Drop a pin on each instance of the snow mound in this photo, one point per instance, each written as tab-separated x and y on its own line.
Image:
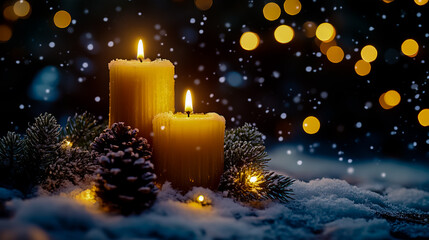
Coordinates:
412	198
323	208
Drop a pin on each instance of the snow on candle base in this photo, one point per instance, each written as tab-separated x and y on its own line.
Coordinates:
139	91
188	151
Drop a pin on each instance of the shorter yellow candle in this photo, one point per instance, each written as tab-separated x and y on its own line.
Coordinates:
188	150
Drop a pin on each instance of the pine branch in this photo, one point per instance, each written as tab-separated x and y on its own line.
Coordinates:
245	177
42	145
246	133
277	186
235	183
242	153
82	129
73	165
11	154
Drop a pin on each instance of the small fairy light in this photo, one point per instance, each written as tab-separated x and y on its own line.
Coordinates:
200	198
86	196
200	201
67	144
253	179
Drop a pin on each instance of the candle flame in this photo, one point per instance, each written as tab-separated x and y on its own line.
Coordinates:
140	51
188	102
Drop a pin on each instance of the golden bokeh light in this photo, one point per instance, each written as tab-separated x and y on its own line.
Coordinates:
249	41
410	48
335	54
203	5
62	19
5	33
421	2
383	103
325	32
284	34
362	68
309	29
271	11
21	8
9	14
388	1
324	46
368	53
292	7
311	125
392	98
423	117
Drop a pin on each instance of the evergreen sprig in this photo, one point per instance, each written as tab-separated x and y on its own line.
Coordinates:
82	129
42	145
11	154
73	166
245	177
43	157
246	133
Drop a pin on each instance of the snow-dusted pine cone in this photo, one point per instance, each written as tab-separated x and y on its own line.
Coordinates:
125	178
120	137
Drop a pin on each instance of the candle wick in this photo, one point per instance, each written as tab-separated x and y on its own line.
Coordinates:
140	59
188	112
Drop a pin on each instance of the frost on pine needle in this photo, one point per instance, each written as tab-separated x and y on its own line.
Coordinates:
245	177
82	129
43	157
73	166
42	145
11	155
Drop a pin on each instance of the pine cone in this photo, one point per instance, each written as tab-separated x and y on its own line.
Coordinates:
125	178
119	138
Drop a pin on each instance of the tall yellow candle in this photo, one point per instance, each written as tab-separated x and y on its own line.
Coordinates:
139	90
188	148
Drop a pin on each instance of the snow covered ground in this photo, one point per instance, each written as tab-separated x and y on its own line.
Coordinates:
324	208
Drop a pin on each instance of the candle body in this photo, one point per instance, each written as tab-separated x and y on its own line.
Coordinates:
188	151
139	91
